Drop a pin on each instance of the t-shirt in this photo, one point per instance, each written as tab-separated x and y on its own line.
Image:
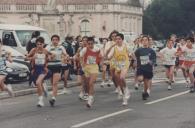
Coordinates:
169	56
57	51
146	58
189	54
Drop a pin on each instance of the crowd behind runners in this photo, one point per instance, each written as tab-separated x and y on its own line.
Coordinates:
84	57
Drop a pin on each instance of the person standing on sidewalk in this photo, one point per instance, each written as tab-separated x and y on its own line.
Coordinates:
55	64
39	59
91	58
4	56
146	59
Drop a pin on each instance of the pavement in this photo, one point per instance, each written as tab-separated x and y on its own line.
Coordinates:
164	109
22	88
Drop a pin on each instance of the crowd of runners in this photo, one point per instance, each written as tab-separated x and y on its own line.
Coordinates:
115	57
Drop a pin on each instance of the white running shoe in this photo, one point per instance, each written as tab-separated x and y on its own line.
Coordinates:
40	102
127	93
90	101
169	87
110	82
125	101
83	96
136	86
66	91
102	84
10	90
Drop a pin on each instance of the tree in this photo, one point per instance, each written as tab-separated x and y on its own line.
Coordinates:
165	17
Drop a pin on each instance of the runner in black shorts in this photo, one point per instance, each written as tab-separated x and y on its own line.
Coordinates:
54	64
146	59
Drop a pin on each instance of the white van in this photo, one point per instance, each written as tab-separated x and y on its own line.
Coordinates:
17	36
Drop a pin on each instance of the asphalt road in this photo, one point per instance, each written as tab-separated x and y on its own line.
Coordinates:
164	109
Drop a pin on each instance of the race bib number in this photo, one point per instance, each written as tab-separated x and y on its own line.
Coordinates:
169	59
40	59
121	64
91	60
144	60
58	55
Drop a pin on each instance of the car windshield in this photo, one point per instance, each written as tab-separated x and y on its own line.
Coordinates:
24	36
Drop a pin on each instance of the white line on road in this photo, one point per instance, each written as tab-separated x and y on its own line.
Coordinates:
100	118
167	98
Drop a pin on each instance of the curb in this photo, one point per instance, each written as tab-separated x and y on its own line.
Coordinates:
33	90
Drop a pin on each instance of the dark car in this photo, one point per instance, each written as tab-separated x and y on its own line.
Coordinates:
16	72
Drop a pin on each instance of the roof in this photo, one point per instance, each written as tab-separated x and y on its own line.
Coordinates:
64	2
19	27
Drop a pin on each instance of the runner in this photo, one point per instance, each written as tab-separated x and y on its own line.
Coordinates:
112	39
91	58
180	46
105	65
54	64
119	52
146	59
168	56
78	62
39	57
4	56
189	62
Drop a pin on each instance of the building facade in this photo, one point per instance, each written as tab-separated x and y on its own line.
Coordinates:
75	17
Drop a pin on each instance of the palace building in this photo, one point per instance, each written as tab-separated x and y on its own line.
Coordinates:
75	17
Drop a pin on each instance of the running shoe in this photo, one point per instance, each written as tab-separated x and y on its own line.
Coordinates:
145	95
102	84
52	101
40	102
90	102
125	101
136	86
10	90
110	82
192	89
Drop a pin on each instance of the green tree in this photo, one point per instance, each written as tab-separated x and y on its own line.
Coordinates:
165	17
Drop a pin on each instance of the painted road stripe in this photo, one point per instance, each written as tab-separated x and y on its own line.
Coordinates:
100	118
167	98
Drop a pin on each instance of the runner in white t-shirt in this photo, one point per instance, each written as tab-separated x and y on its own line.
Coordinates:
168	55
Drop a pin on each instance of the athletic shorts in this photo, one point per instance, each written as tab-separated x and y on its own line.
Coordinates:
38	70
55	68
65	67
91	69
144	73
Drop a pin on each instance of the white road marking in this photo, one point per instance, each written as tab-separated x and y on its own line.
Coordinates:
167	98
100	118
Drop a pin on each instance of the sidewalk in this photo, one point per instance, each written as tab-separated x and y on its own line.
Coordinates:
21	89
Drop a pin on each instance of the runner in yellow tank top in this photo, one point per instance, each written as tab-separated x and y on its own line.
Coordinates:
119	52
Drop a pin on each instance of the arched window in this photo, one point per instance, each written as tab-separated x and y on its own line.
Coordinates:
85	28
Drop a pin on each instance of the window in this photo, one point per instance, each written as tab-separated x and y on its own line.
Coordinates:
105	6
8	39
85	28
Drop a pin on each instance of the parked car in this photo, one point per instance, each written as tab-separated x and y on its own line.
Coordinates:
16	72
